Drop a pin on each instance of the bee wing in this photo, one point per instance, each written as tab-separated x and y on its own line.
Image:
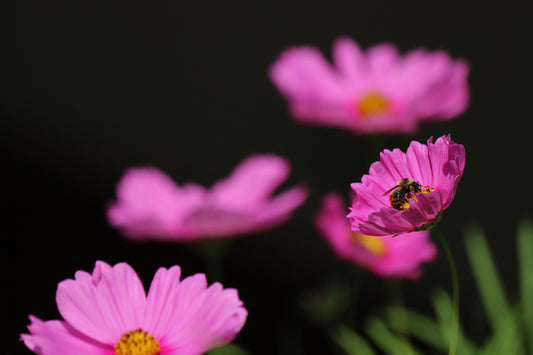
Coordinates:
389	190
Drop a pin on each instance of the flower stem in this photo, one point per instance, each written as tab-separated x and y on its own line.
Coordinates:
396	310
354	285
212	252
455	284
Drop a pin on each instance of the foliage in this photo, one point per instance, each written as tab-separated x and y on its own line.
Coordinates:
229	349
511	324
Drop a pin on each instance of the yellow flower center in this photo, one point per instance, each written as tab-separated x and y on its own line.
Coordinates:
373	104
375	245
137	342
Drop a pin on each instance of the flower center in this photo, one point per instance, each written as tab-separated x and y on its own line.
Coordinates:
374	245
137	342
373	104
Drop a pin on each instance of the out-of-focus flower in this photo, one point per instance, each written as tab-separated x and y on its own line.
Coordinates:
385	256
151	205
108	313
379	91
405	192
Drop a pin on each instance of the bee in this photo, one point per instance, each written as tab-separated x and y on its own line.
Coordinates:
405	190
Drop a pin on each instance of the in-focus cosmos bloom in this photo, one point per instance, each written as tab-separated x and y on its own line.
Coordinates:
108	313
429	175
385	256
379	91
151	205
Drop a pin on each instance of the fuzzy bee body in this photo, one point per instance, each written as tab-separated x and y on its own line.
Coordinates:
405	190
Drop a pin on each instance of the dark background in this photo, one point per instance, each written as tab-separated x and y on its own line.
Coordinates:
89	89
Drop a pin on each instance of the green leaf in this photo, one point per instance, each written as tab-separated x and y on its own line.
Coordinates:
230	349
443	308
389	342
425	329
525	253
508	338
325	306
351	342
486	275
511	325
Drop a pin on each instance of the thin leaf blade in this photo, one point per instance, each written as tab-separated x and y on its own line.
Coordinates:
525	254
488	281
351	342
389	342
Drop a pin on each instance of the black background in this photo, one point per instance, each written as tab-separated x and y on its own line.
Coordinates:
89	89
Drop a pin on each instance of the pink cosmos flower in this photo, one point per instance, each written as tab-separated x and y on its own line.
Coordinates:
379	91
433	172
151	205
385	256
108	313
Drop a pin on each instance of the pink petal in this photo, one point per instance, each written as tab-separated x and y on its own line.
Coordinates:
421	72
425	208
349	58
382	59
103	305
302	69
386	221
420	85
311	86
161	300
57	337
392	220
193	318
419	163
220	221
370	196
150	204
451	97
395	163
332	223
334	226
278	209
216	222
405	255
252	181
438	165
402	257
446	158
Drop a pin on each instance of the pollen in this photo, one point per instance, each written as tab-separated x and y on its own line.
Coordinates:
374	245
409	196
373	104
137	342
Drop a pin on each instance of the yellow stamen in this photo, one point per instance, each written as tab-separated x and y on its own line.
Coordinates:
424	190
137	342
404	205
373	104
375	245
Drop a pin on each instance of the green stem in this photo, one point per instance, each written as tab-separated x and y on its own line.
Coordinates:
354	286
212	252
396	310
455	283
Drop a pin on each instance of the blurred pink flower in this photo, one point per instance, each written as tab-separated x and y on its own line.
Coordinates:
108	313
379	91
151	205
385	256
435	167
